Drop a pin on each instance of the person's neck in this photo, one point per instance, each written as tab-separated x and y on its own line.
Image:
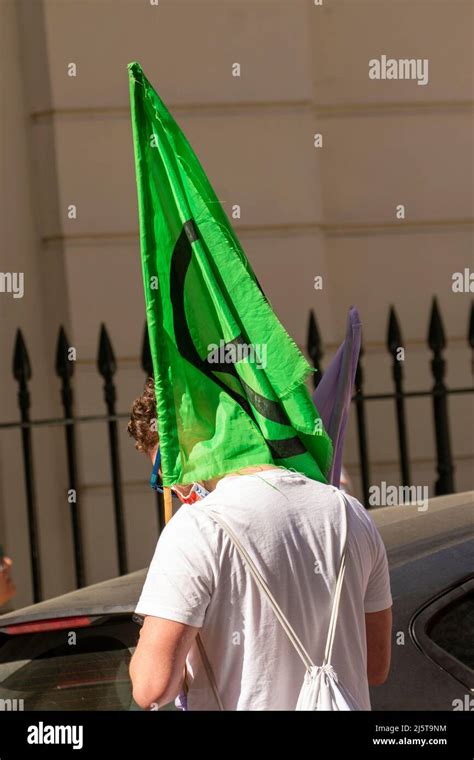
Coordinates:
211	484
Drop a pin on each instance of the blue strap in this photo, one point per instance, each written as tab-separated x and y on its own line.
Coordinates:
154	475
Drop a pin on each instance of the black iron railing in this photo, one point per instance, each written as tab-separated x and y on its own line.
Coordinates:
439	393
107	368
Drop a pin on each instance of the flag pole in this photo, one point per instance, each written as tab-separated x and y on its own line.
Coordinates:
168	502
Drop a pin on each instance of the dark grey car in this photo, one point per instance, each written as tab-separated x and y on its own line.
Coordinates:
431	556
73	652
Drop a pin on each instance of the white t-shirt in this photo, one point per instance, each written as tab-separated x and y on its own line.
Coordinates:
293	529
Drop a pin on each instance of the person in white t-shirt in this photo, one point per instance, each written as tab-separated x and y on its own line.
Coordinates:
292	527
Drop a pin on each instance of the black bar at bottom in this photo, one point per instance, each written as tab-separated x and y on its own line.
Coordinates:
119	734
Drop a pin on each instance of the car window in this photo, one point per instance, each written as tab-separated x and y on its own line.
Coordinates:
452	629
444	630
82	669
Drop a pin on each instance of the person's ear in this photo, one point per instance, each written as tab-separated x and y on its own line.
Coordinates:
152	453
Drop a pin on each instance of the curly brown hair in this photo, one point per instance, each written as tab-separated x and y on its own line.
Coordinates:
143	423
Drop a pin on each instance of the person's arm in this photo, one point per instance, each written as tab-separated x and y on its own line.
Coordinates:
156	668
7	587
378	626
378	609
174	599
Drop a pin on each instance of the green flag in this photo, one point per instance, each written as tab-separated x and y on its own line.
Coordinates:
229	380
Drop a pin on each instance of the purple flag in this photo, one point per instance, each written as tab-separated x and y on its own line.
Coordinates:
332	397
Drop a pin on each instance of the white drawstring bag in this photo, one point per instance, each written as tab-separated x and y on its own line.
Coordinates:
321	689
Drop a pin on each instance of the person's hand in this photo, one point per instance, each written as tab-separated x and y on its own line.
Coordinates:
7	587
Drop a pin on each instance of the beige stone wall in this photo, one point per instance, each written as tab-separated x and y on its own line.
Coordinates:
305	212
